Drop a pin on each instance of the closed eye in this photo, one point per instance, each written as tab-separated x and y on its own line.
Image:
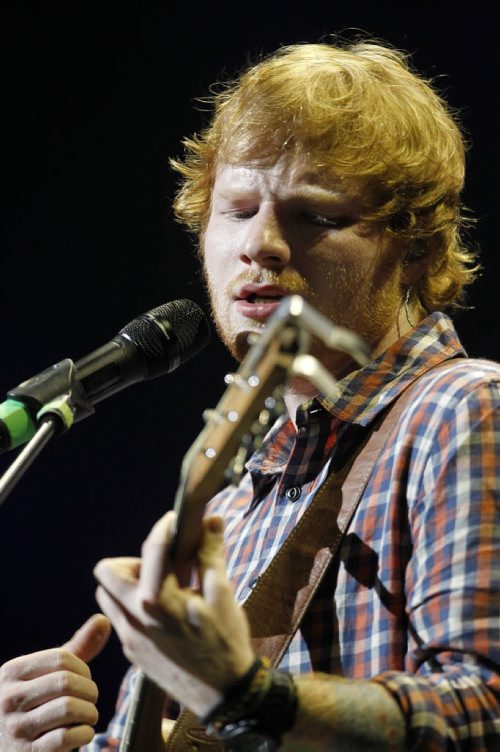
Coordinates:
239	213
323	220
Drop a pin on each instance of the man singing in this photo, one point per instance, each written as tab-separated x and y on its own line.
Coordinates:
332	172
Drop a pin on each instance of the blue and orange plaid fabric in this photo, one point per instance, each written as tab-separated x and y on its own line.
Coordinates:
413	601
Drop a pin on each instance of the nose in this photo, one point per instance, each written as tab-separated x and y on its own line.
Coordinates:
264	243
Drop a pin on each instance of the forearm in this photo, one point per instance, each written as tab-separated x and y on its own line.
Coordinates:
338	714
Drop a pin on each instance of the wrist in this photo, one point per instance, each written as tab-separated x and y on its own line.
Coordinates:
256	710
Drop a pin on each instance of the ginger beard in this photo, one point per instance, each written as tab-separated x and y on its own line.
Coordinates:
364	299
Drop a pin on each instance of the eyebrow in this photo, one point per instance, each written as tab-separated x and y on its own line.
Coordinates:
316	191
300	191
315	178
308	184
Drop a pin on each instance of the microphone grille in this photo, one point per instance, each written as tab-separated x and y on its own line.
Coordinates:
168	335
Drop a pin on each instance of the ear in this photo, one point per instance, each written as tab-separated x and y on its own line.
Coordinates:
419	257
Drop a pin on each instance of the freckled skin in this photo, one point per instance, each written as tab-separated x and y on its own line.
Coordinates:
280	226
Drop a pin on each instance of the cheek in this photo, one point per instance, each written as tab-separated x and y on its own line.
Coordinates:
212	280
344	274
330	272
218	252
350	255
217	278
212	267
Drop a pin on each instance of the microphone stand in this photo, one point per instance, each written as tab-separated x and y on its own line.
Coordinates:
15	472
54	418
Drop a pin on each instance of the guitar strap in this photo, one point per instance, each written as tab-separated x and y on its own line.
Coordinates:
283	593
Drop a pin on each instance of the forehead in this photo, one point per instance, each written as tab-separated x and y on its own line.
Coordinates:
288	175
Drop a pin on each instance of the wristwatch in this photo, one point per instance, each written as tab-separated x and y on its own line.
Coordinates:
247	736
257	712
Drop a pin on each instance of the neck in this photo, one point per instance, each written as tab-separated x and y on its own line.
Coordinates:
299	389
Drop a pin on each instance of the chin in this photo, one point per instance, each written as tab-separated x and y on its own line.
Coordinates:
235	335
238	345
236	342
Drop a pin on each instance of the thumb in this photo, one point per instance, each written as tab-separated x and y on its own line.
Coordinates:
90	639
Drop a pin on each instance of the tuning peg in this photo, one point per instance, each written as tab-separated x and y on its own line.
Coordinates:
212	416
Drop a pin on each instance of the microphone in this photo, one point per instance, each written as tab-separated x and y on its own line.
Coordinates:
153	344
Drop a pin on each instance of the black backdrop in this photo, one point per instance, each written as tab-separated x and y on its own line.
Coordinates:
95	99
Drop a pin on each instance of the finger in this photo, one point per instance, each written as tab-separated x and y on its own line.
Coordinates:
22	696
175	605
155	564
64	739
85	644
196	613
111	608
120	578
88	641
215	584
120	617
211	553
124	567
43	662
62	711
128	628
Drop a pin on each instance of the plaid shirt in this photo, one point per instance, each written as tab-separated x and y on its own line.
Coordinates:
413	601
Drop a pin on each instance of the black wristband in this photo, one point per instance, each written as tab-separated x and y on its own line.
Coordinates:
256	712
246	736
241	694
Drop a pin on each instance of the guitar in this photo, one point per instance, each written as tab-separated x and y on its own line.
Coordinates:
242	411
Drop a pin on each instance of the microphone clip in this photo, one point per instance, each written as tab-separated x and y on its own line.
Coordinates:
57	392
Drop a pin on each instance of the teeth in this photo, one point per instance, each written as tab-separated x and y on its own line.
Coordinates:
263	299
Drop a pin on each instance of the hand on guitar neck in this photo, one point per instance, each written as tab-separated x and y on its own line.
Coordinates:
193	644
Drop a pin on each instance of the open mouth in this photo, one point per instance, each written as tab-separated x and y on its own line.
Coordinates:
259	293
254	298
258	301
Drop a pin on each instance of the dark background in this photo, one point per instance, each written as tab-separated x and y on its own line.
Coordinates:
95	99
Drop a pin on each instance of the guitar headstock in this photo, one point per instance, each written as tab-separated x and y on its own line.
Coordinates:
274	407
244	409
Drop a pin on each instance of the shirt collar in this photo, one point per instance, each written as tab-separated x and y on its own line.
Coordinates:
364	393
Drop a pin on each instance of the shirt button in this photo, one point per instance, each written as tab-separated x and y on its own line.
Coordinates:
293	493
253	583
